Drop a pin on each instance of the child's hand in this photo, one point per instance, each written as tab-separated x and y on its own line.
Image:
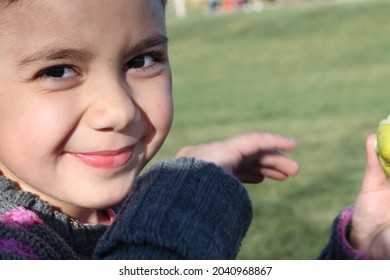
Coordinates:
250	157
371	219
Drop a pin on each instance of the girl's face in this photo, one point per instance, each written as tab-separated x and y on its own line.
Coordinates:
85	98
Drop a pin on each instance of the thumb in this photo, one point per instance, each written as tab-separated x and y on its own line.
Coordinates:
374	178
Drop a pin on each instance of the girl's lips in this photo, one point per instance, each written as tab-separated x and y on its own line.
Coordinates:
106	159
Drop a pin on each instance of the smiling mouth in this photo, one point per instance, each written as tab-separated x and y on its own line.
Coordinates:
106	159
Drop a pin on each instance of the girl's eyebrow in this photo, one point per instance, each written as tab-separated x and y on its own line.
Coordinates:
49	53
54	53
150	42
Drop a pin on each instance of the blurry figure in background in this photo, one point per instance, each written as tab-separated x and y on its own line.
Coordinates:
240	3
257	6
213	6
243	5
228	6
180	8
246	6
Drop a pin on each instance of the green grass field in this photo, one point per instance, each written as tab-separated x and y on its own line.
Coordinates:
318	73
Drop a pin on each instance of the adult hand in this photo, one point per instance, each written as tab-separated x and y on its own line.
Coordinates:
250	157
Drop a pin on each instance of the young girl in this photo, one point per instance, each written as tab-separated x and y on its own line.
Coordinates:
85	103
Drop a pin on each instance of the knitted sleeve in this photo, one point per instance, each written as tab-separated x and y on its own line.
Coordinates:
180	209
339	247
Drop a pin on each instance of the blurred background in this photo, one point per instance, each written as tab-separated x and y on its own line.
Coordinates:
318	71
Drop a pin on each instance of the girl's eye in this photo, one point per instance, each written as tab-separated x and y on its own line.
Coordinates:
141	61
57	72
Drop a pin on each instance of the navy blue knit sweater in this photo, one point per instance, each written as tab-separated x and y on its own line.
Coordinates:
178	209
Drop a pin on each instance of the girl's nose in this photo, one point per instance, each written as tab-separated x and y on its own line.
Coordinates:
112	108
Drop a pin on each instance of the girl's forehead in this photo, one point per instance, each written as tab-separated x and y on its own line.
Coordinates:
12	10
9	3
110	28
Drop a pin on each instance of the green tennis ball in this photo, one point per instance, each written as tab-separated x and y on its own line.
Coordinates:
383	144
